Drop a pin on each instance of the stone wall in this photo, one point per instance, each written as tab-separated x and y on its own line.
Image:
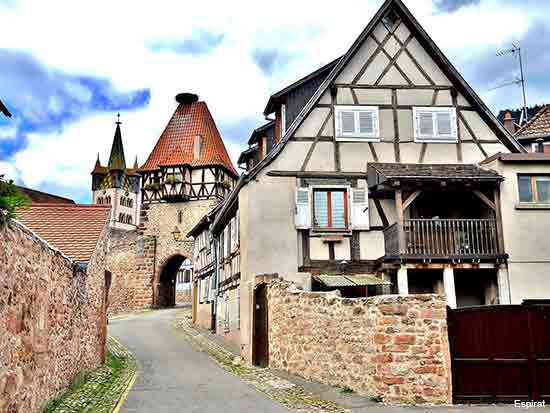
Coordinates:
51	319
395	347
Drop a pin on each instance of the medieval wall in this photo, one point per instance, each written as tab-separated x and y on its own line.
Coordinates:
395	347
51	319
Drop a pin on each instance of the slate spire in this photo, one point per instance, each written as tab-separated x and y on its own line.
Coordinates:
116	159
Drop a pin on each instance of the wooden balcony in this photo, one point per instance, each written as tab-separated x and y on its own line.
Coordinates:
442	238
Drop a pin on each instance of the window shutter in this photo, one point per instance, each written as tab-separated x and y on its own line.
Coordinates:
347	122
359	209
367	122
444	123
303	209
425	124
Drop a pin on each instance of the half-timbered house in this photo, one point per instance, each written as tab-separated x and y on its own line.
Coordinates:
374	182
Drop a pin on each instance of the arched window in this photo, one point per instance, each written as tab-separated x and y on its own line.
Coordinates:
130	203
109	200
129	219
180	217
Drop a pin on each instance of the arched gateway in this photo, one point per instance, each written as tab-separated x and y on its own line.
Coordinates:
166	285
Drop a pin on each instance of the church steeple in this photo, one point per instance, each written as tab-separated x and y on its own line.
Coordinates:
116	159
136	165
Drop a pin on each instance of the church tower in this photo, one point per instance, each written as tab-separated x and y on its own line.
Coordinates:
117	185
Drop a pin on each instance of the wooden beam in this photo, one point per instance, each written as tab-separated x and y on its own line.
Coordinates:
381	213
393	61
400	219
422	152
418	87
411	199
318	174
486	200
471	132
498	217
372	56
395	126
314	144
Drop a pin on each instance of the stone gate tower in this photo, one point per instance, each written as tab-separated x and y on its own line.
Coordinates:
117	185
187	173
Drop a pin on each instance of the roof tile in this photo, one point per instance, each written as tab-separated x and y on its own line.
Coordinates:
175	145
539	125
72	229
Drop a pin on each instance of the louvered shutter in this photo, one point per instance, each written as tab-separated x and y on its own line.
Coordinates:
367	122
359	208
425	124
303	209
347	122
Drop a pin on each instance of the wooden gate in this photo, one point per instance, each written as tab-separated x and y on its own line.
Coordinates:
260	343
501	353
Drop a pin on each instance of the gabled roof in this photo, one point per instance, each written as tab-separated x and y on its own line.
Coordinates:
4	110
175	145
274	98
246	154
73	229
38	197
537	127
448	69
117	159
256	133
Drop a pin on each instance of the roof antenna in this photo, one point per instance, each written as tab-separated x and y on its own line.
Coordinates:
515	50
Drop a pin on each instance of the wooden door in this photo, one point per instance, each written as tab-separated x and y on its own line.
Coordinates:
260	350
500	353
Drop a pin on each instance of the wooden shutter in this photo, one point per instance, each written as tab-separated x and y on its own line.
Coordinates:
367	122
359	208
303	208
347	122
425	124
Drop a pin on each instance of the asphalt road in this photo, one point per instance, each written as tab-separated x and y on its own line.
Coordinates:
174	377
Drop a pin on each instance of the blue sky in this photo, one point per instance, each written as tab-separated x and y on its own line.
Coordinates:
65	79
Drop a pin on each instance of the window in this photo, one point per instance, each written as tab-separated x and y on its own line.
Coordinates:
357	123
533	188
180	217
283	122
330	208
435	124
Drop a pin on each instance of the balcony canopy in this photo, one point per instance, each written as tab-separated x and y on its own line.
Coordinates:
386	175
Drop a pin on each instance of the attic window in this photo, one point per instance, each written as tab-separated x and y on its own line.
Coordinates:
390	20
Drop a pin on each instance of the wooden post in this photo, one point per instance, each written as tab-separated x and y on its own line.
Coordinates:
400	219
498	218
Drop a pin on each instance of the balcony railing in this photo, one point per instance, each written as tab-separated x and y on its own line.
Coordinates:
442	238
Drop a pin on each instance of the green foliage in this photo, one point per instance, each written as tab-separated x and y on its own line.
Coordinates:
376	399
346	389
11	198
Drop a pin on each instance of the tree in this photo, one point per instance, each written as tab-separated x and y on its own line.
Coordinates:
11	198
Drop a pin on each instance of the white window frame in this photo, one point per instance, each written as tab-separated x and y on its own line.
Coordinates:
453	138
356	136
534	146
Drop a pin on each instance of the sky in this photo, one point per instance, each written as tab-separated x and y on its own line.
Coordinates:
67	67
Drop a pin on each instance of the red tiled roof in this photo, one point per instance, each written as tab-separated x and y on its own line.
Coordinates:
539	125
175	145
72	229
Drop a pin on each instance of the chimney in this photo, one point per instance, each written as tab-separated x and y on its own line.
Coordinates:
509	122
186	98
197	147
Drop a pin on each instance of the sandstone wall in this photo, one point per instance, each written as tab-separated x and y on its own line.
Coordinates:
51	319
391	346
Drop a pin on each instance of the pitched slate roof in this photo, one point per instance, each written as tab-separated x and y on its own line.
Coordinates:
175	145
256	133
537	127
116	159
4	110
438	172
72	229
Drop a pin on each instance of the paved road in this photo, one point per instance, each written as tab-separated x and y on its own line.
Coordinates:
174	377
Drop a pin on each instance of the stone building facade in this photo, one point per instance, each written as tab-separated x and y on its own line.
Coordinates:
52	317
393	347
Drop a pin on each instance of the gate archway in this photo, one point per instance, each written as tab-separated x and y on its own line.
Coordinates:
166	291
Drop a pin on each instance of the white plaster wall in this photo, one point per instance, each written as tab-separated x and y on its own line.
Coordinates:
371	244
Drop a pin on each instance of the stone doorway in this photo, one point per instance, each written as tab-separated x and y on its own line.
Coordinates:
166	290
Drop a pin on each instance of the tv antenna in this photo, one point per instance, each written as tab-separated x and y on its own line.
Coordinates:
515	50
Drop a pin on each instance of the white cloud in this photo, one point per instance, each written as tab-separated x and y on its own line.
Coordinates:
110	39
